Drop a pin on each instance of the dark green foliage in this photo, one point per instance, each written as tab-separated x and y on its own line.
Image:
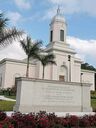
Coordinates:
46	59
8	91
31	49
7	35
86	66
2	115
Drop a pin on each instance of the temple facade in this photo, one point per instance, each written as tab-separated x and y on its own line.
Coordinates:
67	68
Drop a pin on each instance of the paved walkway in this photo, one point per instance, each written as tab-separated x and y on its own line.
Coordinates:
4	98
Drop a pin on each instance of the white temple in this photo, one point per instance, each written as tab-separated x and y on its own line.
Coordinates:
68	67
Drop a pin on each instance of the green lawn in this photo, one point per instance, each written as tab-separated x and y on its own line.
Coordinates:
93	99
6	105
93	103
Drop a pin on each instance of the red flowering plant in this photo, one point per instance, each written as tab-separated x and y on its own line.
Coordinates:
30	120
92	120
17	120
84	121
52	118
23	120
64	122
2	115
6	123
45	120
42	120
73	120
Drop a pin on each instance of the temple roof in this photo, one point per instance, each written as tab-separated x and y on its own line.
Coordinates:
58	17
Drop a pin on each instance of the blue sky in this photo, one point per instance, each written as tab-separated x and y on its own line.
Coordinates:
34	16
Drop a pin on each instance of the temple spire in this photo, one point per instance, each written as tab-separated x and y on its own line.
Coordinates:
58	10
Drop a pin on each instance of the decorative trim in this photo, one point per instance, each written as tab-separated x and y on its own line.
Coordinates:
53	81
13	60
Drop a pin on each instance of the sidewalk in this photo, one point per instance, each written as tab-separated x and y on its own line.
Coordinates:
4	98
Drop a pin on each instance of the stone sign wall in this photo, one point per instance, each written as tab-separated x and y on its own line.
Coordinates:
53	96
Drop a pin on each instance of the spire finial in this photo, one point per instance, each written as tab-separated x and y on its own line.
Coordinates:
58	10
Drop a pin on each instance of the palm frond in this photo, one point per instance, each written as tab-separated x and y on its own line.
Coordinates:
28	42
47	59
31	49
9	35
35	49
51	62
24	46
3	22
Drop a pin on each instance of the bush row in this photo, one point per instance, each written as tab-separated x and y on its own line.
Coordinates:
8	91
44	120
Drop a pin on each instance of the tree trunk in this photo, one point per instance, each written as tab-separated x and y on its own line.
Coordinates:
27	71
43	72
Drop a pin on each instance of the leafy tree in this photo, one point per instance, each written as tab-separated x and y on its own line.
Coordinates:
31	49
45	60
86	66
7	35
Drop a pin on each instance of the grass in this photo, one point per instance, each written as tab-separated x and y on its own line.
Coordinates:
93	103
6	105
93	99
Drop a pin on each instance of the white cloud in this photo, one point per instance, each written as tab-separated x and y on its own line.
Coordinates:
14	17
23	4
86	49
13	51
74	6
49	13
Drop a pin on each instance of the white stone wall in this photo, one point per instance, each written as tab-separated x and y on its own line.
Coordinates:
2	74
34	95
39	71
56	27
15	69
89	77
76	72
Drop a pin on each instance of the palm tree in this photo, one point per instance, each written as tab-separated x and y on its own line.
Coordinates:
45	60
7	35
31	49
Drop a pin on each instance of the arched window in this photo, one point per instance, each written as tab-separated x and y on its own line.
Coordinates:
61	35
51	36
63	73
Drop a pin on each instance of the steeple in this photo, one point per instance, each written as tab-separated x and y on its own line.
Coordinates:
58	28
58	17
58	10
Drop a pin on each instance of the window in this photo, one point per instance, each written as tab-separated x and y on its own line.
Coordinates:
61	35
51	36
61	78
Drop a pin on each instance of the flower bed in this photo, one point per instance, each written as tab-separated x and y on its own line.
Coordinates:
44	120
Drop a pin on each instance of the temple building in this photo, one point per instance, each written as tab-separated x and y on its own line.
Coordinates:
67	68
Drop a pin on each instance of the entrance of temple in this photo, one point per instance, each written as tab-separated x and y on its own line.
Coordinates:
61	78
